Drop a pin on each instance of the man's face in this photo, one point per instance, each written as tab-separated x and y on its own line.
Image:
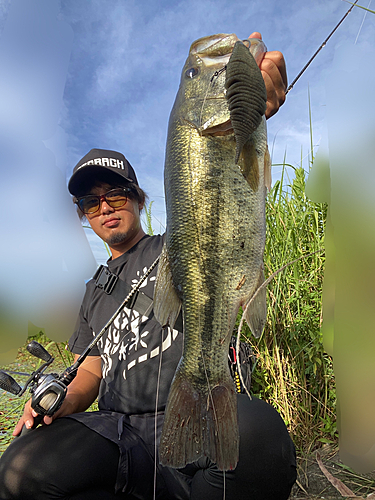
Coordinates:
120	227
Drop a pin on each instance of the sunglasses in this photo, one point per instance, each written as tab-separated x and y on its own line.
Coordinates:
115	198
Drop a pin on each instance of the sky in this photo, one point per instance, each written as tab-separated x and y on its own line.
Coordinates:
127	58
104	74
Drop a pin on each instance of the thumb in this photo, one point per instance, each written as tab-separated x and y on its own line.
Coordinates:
256	34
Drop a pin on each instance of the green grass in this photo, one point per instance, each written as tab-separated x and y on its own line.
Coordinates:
11	407
292	371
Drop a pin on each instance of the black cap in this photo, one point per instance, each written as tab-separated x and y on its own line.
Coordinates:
99	161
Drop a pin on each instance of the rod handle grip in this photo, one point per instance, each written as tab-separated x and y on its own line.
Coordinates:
37	421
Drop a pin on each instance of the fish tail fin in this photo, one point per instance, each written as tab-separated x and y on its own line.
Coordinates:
200	423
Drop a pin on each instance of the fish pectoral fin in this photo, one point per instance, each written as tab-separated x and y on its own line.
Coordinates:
199	422
167	304
255	310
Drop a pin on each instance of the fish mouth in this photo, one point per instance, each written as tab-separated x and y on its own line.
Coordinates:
221	129
225	128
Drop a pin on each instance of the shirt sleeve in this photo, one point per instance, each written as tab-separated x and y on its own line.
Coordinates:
83	334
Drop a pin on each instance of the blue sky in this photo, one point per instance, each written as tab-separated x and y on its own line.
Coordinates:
127	56
80	74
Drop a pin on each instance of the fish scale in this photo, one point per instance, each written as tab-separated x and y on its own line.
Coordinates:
212	261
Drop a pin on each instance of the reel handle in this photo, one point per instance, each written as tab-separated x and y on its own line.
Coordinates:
7	383
38	351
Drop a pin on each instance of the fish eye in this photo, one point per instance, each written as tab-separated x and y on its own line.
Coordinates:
191	72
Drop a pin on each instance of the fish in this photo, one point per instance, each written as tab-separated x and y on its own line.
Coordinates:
217	167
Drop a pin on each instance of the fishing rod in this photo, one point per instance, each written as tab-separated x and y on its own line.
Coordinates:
48	391
319	49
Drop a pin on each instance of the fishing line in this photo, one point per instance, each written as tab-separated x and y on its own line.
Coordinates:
214	411
203	103
156	411
363	20
209	389
218	72
319	49
209	86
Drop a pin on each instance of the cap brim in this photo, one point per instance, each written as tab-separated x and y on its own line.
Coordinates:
81	176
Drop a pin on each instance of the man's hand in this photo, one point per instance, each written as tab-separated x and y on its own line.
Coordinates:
27	419
274	75
29	414
82	392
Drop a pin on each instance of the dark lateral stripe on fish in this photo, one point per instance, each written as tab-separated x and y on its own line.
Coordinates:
246	95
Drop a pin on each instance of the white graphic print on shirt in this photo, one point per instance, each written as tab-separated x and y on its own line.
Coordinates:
125	337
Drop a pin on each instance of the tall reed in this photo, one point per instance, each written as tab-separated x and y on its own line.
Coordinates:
292	371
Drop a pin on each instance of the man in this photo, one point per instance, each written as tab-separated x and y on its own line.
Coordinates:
113	453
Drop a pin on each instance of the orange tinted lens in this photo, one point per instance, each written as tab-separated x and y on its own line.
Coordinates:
116	198
89	204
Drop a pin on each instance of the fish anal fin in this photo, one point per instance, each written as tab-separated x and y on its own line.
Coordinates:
167	304
255	309
248	163
200	423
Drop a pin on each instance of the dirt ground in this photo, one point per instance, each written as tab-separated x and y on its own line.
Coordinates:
312	483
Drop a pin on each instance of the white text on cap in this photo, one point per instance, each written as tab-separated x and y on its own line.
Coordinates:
104	162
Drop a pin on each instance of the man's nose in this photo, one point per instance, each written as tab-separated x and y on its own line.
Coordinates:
105	208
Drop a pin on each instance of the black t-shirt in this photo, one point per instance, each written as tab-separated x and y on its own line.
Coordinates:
139	359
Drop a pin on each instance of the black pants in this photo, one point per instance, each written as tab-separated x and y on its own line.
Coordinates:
67	460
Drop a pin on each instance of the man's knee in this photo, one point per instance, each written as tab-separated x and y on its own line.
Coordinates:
267	453
16	470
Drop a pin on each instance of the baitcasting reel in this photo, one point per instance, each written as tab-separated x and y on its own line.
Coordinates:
48	390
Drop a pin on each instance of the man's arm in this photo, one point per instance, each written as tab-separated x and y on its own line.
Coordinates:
80	395
274	75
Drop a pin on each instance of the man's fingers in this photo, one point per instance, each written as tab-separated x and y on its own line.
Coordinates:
256	34
48	420
272	99
273	70
18	427
274	76
275	65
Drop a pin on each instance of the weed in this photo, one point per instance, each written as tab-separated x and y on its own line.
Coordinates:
292	372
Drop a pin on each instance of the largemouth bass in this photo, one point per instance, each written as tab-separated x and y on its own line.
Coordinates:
217	165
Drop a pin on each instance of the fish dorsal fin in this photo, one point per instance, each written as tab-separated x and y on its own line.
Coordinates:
248	163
